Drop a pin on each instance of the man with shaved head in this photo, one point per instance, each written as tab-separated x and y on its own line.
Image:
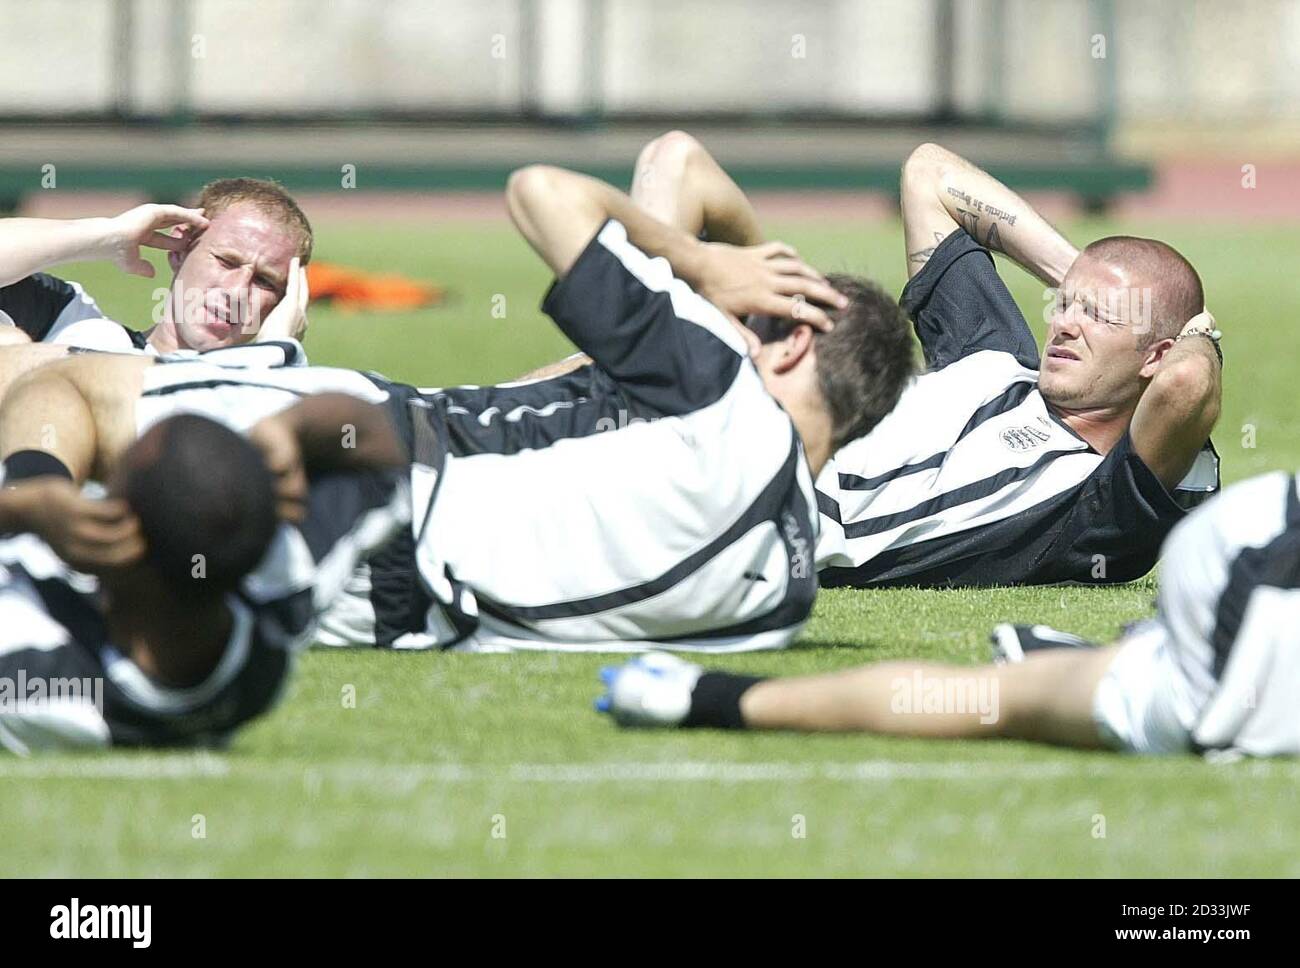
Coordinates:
1004	465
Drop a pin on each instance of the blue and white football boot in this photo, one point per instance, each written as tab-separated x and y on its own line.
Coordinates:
652	690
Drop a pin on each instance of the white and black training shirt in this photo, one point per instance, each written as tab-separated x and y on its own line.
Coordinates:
693	530
972	479
52	310
1229	604
238	386
63	684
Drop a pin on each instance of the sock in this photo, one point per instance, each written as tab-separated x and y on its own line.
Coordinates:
26	464
715	701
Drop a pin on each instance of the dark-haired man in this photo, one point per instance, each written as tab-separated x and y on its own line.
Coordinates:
203	595
238	261
693	530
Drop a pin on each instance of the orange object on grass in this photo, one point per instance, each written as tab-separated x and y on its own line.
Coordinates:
353	289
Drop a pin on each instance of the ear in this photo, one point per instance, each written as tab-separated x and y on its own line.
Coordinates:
1155	353
176	258
793	349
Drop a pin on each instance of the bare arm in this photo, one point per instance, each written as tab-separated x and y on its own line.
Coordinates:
942	192
1180	406
329	431
90	534
1047	698
340	432
29	245
559	212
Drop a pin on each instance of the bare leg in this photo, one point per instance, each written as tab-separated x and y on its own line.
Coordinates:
22	356
679	183
1047	698
44	411
80	409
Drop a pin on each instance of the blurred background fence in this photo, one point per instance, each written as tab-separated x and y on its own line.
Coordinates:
450	93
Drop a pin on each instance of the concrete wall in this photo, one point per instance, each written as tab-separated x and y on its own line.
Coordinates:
1173	59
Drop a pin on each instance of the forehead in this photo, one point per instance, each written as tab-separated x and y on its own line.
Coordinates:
1089	272
247	230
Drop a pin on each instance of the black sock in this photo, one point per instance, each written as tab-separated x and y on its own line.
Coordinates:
715	701
25	464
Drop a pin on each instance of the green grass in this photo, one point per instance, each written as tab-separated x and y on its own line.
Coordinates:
440	748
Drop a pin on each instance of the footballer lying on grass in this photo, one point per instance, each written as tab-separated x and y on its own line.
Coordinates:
695	530
234	258
1218	668
1001	466
202	597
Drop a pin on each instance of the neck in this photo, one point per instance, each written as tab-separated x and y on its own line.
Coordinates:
164	337
813	425
147	627
1101	427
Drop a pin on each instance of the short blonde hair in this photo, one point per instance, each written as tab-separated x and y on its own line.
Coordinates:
268	197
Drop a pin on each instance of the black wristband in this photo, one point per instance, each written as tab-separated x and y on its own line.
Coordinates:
23	465
715	701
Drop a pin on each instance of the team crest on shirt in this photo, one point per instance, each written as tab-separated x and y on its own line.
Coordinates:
1024	438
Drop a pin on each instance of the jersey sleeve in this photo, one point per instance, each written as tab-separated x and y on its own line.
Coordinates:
1119	520
43	306
349	516
668	348
960	305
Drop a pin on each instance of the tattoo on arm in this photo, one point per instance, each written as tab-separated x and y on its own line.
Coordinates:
969	217
970	221
922	256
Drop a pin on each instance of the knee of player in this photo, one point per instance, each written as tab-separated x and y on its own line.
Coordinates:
672	150
29	381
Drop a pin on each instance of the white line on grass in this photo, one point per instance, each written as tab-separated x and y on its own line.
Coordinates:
179	766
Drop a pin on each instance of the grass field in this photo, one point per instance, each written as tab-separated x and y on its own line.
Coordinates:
444	754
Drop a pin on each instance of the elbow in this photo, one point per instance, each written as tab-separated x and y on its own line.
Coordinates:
1191	386
924	167
526	185
524	181
1191	379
